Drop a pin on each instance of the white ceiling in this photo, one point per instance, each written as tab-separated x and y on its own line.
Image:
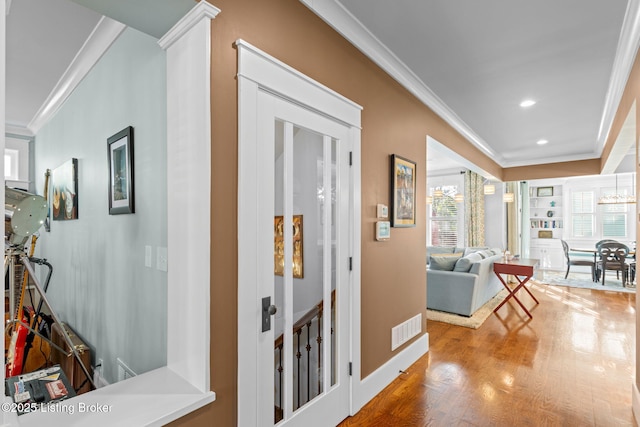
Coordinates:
477	59
43	37
482	58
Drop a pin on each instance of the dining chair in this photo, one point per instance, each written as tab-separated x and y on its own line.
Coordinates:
573	261
613	256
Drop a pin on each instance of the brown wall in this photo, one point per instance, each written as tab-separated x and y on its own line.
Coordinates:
393	121
631	95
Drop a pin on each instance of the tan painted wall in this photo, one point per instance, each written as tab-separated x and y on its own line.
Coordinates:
631	95
552	170
393	121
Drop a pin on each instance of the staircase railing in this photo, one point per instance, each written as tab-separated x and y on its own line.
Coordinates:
307	347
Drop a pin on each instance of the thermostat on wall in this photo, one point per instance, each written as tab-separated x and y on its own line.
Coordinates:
383	230
383	211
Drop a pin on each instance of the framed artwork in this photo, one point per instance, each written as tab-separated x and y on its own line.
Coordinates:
64	180
121	194
403	192
544	192
278	246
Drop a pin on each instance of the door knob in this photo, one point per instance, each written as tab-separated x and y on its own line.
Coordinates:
272	310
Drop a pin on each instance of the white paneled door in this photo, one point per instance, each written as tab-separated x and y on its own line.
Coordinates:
296	228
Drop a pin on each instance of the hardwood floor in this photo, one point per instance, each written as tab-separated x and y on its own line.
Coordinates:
571	365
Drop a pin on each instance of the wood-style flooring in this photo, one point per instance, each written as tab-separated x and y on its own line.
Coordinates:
571	365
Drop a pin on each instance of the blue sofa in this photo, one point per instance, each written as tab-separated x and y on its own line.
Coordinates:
461	280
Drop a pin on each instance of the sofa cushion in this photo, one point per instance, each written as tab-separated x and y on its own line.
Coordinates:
444	262
471	250
463	265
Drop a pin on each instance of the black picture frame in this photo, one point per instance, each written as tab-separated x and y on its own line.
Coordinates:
121	176
403	192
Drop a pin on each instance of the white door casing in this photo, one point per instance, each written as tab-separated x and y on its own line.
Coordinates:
266	84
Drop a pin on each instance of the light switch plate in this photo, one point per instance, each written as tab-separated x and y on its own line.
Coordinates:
148	257
382	211
161	259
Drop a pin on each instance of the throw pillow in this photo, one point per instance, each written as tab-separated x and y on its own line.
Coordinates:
443	262
463	265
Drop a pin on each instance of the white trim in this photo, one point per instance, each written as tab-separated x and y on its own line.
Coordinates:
101	38
338	17
189	199
628	44
635	401
18	130
373	384
259	66
152	399
203	11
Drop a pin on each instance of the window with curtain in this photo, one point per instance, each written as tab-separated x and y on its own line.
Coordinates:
444	216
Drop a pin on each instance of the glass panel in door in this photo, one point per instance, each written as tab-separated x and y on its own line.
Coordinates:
304	266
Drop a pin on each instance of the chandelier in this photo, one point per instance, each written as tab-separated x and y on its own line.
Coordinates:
617	198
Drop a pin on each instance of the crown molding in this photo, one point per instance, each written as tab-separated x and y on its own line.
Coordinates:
101	38
14	129
343	21
200	11
626	51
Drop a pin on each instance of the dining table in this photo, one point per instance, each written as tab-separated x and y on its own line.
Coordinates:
594	251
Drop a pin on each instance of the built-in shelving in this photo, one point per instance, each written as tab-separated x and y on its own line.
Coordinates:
547	226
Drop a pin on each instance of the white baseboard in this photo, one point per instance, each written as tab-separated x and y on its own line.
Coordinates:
635	401
373	384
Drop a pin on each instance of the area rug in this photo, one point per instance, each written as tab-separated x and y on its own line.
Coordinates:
473	322
583	281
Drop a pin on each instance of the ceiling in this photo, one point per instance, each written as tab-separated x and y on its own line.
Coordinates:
472	62
44	36
480	59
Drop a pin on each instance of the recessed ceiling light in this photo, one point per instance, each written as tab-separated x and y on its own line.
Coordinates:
527	103
542	141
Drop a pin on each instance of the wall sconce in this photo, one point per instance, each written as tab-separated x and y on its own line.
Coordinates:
438	192
508	197
489	189
459	198
429	200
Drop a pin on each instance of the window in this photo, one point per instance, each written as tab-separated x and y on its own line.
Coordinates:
11	158
582	213
600	221
614	217
445	216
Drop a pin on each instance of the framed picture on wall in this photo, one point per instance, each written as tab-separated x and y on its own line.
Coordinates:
403	192
120	151
278	244
64	180
545	191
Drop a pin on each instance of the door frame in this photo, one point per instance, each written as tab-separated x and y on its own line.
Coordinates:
259	71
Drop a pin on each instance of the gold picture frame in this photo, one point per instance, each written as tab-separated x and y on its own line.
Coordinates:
298	246
544	192
403	192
